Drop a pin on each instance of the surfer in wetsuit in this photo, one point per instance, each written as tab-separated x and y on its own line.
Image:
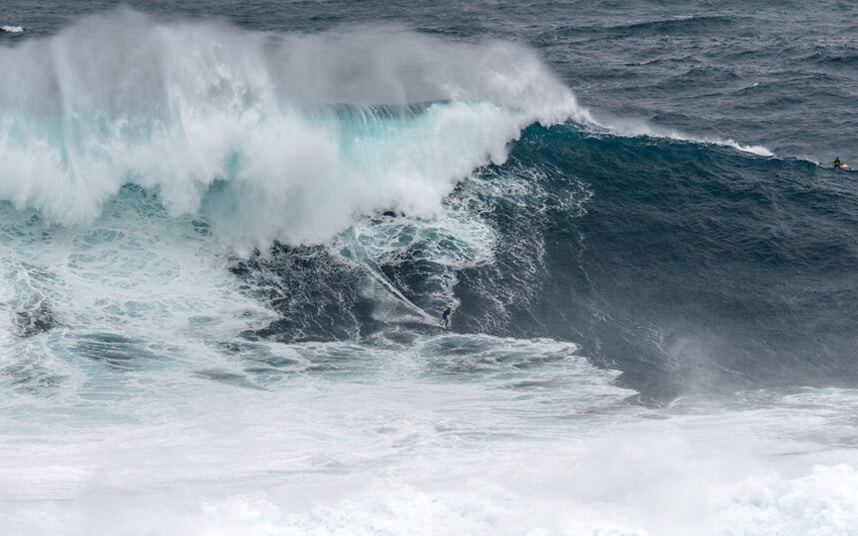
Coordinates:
445	317
837	163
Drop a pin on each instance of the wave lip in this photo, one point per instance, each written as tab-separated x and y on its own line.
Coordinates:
12	29
635	128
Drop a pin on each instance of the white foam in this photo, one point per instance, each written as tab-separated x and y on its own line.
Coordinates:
824	501
158	291
634	128
440	434
12	29
253	123
395	455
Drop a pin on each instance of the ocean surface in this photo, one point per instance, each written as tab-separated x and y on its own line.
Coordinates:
228	228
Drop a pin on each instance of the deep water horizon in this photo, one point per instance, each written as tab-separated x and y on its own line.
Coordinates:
228	230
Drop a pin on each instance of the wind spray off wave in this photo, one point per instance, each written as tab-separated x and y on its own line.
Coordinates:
274	136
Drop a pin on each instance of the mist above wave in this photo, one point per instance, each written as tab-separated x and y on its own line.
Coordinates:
275	136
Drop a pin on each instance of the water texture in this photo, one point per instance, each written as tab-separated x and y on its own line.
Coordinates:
227	230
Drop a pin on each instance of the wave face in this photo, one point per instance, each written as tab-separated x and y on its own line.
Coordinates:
687	266
223	252
717	269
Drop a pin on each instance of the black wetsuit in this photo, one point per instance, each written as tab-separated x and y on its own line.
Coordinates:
445	317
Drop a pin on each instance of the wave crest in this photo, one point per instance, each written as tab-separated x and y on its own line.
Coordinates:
277	136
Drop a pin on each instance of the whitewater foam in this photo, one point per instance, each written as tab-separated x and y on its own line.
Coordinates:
273	136
117	293
12	29
175	422
439	455
635	128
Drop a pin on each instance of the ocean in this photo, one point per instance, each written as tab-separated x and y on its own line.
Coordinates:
228	230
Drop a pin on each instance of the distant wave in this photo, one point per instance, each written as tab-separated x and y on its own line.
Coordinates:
674	25
686	23
12	29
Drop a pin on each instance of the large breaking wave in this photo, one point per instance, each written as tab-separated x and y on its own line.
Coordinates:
147	369
287	137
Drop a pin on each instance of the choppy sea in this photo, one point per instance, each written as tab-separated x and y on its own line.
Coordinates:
227	230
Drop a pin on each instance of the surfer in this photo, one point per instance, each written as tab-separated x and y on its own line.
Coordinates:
445	317
840	165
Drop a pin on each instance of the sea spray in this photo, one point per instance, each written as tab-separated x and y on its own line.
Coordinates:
275	136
